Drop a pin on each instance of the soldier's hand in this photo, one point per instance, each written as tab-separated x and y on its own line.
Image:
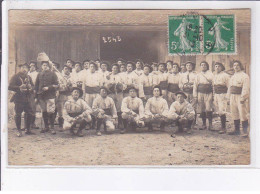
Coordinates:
45	88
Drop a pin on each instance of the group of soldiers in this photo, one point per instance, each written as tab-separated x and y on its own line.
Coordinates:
127	95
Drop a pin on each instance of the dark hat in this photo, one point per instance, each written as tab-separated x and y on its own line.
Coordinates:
77	88
182	93
193	64
147	65
205	63
157	86
24	64
220	64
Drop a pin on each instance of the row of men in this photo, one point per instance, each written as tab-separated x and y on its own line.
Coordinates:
200	88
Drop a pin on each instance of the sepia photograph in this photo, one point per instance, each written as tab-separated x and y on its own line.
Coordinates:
111	87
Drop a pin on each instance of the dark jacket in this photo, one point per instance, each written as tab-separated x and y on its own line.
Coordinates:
14	85
46	79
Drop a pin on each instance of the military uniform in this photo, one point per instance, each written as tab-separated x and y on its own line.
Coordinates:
161	80
130	79
239	91
76	112
186	84
105	112
22	85
132	112
146	86
173	80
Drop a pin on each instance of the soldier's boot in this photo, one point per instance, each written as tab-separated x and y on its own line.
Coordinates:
204	119
245	127
190	122
94	122
81	127
124	126
133	126
162	126
105	126
237	128
60	121
180	128
28	124
210	117
150	127
119	115
46	122
52	120
33	125
99	123
18	121
223	124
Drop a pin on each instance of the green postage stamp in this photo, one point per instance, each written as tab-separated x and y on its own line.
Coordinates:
202	34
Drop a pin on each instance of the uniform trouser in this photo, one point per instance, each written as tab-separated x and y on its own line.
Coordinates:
89	98
108	121
19	108
220	103
171	98
238	110
205	102
68	125
60	101
133	119
48	111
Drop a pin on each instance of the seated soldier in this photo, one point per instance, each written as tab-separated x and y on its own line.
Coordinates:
156	109
76	111
182	111
132	110
105	111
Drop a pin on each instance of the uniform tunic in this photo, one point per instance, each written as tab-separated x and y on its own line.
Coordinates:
33	75
91	87
156	106
173	86
220	86
202	90
146	86
130	105
239	91
130	79
181	109
161	79
75	79
186	84
103	77
115	80
75	108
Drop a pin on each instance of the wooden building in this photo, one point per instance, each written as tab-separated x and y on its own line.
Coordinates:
108	35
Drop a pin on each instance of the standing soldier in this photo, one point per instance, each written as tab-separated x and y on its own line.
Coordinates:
202	93
104	72
45	86
130	78
120	61
173	83
156	109
115	87
161	79
239	95
105	110
182	111
76	111
169	64
98	63
63	93
33	74
220	85
21	83
183	68
154	67
75	78
69	63
146	84
139	68
132	111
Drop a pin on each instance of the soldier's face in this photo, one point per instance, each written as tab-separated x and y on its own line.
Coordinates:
69	63
122	68
155	68
183	68
66	70
86	65
175	69
161	68
146	70
103	67
77	67
119	62
156	92
204	66
114	69
180	98
24	69
189	66
92	68
132	93
98	63
218	68
236	67
32	67
75	94
103	93
129	67
45	66
169	66
138	65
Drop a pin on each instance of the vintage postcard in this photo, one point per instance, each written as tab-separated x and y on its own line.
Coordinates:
129	87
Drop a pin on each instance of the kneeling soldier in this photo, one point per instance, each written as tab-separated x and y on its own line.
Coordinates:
105	111
156	109
76	111
132	110
182	111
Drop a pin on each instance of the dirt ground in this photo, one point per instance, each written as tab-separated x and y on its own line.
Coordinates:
133	148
